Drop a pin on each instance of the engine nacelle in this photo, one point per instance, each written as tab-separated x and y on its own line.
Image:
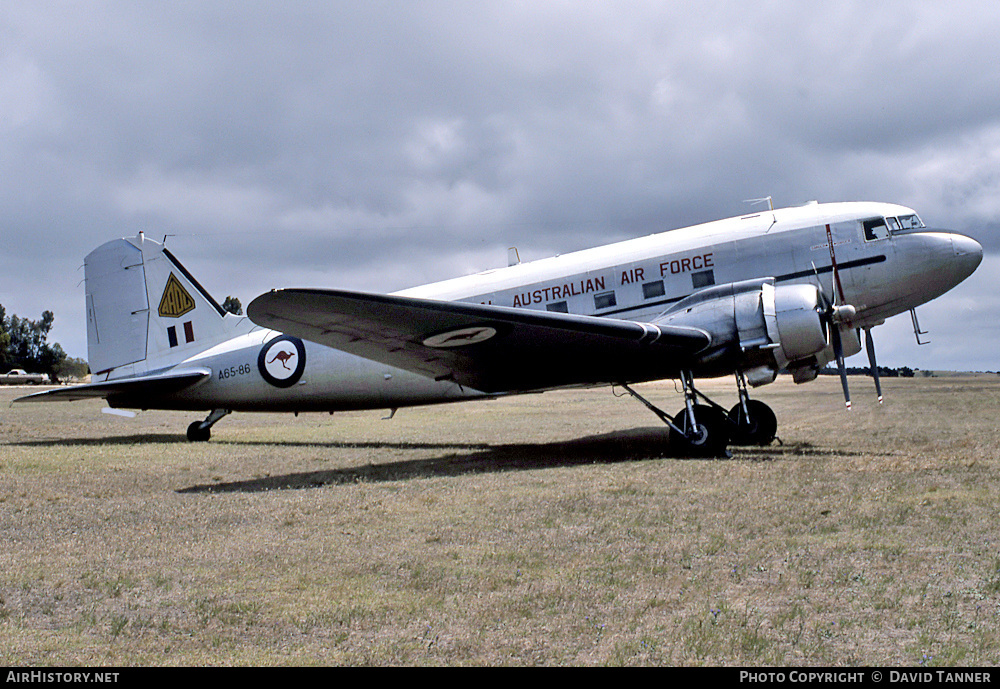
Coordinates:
797	323
757	326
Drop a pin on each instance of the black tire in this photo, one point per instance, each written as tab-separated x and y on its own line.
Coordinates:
757	429
197	434
710	437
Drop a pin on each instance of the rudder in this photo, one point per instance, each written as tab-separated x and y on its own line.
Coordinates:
117	307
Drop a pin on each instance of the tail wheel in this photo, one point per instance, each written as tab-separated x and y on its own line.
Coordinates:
707	438
756	426
197	434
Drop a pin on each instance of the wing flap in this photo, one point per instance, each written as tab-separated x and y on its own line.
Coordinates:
486	347
134	388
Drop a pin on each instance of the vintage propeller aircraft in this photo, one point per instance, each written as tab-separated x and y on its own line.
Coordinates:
779	290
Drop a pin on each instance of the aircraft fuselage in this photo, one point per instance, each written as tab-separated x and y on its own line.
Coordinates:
886	261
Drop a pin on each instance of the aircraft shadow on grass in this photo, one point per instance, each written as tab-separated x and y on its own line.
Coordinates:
457	459
142	439
640	444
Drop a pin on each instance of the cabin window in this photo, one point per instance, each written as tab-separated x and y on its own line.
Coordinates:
653	289
875	229
703	278
605	300
559	306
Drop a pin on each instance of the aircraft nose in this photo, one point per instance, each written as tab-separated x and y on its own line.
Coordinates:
969	253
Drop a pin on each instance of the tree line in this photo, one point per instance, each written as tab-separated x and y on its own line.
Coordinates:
883	371
24	344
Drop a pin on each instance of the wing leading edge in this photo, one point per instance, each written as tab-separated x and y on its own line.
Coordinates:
485	347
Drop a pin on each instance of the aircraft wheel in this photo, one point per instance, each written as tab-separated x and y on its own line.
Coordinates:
758	428
197	434
710	436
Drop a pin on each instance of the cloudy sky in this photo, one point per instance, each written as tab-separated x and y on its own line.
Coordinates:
379	145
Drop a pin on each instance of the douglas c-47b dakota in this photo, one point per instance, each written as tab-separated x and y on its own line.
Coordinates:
781	290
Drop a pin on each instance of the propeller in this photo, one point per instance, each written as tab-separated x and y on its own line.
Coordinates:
843	313
836	314
870	346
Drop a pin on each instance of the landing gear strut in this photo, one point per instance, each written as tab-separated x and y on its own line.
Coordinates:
697	430
201	431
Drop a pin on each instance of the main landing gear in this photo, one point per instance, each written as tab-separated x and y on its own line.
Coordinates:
706	430
751	421
201	431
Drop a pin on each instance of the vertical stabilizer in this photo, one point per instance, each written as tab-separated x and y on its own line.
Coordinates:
117	307
145	311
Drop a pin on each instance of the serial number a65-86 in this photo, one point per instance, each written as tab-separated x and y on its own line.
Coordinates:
234	371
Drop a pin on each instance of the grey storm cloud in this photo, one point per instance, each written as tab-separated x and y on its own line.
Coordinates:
379	145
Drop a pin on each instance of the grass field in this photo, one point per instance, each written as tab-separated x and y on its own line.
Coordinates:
550	529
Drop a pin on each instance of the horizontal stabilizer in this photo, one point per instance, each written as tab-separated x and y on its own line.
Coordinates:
482	346
134	388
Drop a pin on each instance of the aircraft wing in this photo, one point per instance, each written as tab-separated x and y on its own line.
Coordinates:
134	388
481	346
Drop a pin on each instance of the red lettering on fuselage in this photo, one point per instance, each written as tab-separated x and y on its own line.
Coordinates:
687	264
633	275
562	291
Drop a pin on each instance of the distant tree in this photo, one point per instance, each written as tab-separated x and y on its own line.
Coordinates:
25	344
4	342
233	306
73	367
885	372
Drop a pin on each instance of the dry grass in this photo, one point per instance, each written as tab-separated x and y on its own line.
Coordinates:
547	529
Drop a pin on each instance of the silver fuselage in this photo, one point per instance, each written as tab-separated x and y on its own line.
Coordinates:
881	276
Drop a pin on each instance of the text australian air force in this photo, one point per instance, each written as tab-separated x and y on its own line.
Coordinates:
565	289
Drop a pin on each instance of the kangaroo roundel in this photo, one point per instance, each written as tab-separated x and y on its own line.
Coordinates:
282	361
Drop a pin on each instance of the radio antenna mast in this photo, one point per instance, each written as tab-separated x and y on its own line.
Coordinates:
770	207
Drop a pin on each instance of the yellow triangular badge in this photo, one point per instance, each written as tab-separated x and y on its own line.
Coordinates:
175	301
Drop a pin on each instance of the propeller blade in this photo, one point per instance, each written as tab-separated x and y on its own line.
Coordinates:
837	286
835	313
870	346
838	351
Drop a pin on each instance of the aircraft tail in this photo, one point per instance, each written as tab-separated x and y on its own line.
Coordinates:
145	311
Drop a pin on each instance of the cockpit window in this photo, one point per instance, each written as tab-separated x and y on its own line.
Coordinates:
910	222
875	229
893	225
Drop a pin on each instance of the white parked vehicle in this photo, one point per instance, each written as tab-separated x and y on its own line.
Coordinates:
19	376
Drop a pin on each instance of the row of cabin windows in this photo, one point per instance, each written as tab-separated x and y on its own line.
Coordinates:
650	290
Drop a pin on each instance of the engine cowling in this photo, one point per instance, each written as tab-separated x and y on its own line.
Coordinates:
798	324
757	326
